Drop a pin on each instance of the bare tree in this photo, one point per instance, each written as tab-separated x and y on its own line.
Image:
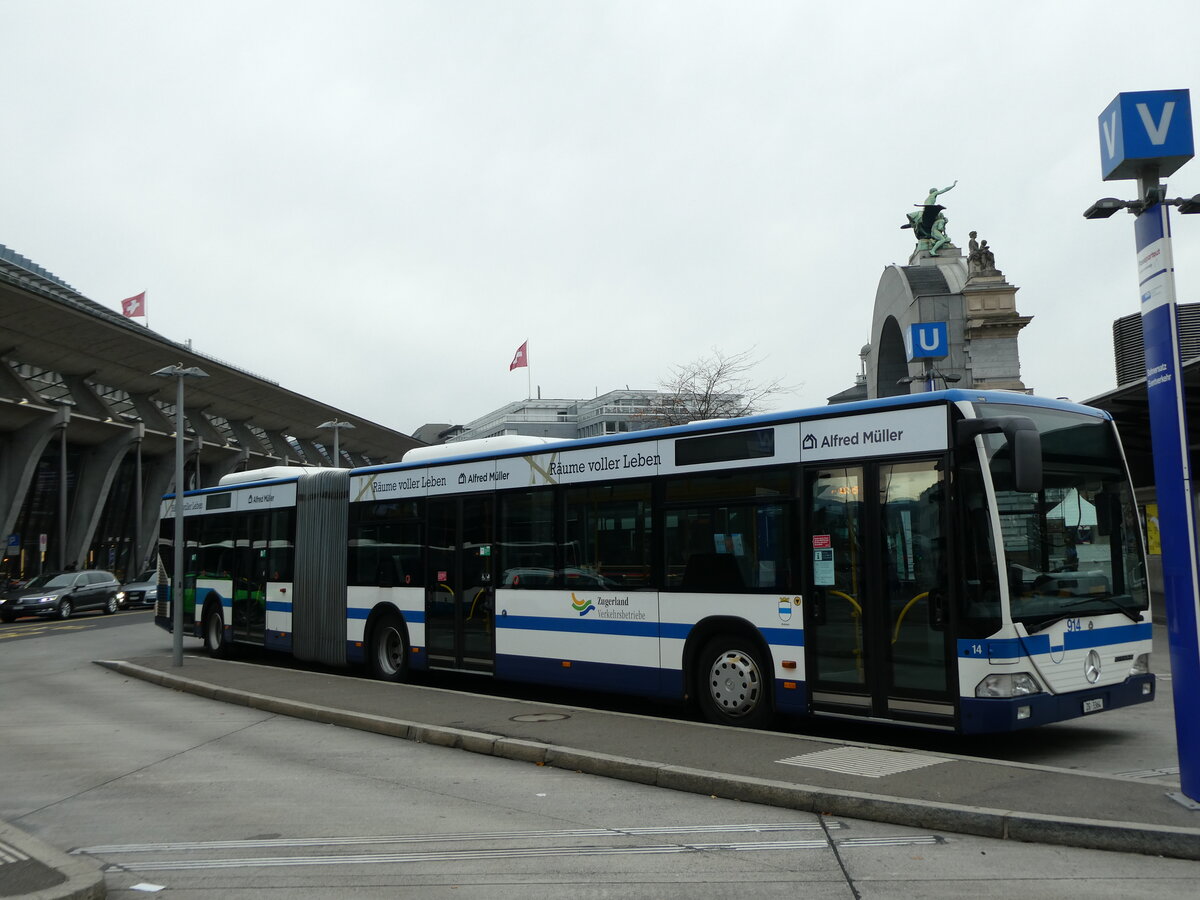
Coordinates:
715	386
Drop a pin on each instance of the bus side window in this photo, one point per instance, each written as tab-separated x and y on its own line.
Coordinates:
712	572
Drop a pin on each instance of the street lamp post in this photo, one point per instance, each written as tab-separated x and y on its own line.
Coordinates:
179	372
337	427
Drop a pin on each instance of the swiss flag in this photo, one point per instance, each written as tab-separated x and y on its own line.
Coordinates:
135	306
522	357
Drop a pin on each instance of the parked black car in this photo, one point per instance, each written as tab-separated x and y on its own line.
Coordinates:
62	594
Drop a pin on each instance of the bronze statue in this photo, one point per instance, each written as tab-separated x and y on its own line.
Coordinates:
927	222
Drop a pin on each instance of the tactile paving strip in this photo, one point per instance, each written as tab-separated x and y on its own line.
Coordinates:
864	761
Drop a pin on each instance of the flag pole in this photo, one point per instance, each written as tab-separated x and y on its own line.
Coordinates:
528	374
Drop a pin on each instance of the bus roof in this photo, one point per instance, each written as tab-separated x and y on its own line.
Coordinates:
510	445
468	451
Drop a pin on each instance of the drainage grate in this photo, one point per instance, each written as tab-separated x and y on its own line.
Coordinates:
1149	773
863	761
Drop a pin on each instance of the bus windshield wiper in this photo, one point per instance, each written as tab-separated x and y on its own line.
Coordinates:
1133	613
1034	624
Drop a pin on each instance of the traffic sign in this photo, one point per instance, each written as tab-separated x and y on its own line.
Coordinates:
928	340
1145	128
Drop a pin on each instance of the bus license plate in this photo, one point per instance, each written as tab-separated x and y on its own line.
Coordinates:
1094	705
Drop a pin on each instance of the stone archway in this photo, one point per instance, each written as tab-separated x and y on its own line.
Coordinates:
927	290
891	360
982	326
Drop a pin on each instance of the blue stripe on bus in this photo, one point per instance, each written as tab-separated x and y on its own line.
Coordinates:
410	615
582	625
784	637
279	606
1100	637
1038	644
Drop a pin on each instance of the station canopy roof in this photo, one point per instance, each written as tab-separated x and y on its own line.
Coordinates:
1128	406
48	324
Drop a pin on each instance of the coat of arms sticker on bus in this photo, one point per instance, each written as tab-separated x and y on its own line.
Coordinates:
785	608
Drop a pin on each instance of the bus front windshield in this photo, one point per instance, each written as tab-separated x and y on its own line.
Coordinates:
1073	549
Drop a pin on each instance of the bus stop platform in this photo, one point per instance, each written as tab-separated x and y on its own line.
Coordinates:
962	794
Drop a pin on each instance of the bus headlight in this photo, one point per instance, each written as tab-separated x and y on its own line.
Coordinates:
1141	664
1018	684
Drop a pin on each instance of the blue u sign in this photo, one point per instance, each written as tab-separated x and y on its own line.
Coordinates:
928	340
1141	128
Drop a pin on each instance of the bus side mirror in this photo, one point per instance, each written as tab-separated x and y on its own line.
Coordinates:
1027	459
1108	510
1024	446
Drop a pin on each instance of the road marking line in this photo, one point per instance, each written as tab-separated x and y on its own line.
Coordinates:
457	856
10	854
453	837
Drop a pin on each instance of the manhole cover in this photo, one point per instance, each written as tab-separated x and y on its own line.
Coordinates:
540	717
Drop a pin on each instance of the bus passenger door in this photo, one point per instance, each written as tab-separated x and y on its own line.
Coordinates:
459	593
878	643
250	579
835	632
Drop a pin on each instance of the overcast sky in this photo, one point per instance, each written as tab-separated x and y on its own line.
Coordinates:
375	203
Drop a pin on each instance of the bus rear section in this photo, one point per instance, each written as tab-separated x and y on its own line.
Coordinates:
238	559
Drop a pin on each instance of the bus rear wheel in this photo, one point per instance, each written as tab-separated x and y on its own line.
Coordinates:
732	686
214	632
387	656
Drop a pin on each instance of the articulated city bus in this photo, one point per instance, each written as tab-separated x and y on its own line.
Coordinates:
967	561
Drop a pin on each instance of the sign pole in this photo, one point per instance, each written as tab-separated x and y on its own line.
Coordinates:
1146	135
1172	482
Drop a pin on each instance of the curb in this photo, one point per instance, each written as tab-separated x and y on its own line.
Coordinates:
1089	834
81	878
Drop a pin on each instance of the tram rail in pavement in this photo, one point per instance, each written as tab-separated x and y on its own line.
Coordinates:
1014	801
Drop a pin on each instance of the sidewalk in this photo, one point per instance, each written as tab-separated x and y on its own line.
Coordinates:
920	790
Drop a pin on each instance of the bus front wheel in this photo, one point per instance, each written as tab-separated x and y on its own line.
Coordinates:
388	653
732	685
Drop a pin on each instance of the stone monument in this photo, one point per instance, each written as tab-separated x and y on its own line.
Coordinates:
969	294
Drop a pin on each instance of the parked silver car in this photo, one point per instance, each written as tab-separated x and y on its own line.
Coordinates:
139	591
62	594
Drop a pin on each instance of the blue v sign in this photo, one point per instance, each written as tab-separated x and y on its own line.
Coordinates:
1142	128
